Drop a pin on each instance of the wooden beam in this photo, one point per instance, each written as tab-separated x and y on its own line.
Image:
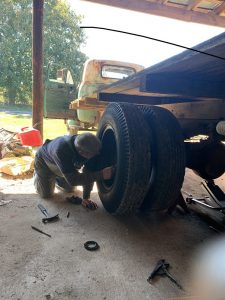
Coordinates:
220	8
37	66
208	110
159	9
141	99
192	4
185	86
63	115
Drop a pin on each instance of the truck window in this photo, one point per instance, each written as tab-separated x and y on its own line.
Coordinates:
117	72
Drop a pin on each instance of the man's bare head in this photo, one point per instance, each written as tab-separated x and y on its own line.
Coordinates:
87	144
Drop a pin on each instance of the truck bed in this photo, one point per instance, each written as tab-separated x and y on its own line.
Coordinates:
191	85
187	77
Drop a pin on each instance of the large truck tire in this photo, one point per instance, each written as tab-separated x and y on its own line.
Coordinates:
168	158
124	135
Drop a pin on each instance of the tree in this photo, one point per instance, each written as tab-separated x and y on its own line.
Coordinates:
62	40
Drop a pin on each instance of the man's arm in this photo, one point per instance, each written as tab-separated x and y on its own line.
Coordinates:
87	188
76	178
86	179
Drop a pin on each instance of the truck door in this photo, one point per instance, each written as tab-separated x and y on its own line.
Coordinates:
59	92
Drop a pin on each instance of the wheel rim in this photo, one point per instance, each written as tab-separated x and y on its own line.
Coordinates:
109	154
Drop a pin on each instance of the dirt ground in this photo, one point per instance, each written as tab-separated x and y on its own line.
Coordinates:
35	266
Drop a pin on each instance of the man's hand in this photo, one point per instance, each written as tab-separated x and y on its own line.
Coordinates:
89	204
108	173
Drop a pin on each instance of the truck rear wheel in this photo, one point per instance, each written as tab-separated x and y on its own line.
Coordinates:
168	158
124	135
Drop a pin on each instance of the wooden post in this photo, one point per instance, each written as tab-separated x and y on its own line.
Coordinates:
37	65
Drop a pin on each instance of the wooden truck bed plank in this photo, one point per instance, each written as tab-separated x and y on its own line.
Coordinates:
151	99
188	74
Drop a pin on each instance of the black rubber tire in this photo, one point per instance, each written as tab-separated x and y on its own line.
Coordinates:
124	135
168	158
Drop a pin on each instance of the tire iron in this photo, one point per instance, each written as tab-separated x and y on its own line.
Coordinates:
38	230
161	269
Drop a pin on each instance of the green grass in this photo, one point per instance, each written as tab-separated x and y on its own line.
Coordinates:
19	107
13	122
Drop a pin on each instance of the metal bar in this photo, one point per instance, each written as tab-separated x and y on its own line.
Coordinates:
37	65
38	230
205	205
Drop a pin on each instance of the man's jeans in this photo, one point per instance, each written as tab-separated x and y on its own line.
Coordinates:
45	180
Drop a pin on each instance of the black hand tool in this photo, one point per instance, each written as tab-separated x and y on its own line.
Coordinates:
48	218
161	269
38	230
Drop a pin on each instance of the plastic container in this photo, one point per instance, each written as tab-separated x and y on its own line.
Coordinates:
30	137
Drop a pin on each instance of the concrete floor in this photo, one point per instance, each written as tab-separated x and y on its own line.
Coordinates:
34	266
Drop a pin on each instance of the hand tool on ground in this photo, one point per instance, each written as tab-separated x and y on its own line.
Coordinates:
48	218
211	206
161	269
38	230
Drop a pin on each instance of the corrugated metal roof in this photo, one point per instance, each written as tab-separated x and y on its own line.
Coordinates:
210	12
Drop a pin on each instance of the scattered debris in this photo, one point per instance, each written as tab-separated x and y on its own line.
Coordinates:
10	145
15	159
16	165
49	296
38	230
161	269
91	245
14	148
48	218
4	202
68	214
6	135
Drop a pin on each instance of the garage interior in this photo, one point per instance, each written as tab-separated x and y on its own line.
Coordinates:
35	266
57	266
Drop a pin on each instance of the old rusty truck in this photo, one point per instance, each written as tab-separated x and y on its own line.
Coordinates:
153	123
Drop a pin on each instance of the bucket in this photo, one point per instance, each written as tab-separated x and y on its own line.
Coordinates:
30	137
